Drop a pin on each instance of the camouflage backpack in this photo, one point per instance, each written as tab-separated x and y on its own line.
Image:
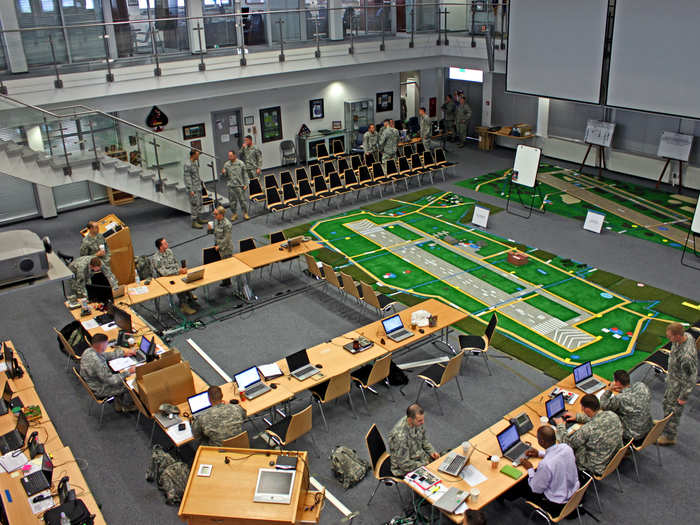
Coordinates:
144	267
170	474
347	466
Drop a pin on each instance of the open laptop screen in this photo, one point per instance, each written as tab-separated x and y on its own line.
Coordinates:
583	372
508	438
297	360
247	378
199	402
555	405
392	324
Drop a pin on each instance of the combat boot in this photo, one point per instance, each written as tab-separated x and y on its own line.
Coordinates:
196	224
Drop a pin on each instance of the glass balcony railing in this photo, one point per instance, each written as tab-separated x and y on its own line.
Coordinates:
142	38
79	135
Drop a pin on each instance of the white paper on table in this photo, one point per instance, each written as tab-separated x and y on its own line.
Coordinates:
3	366
138	290
121	363
179	436
11	463
270	370
91	324
472	476
44	504
109	326
462	508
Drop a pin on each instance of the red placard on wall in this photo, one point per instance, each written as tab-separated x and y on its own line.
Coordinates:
432	107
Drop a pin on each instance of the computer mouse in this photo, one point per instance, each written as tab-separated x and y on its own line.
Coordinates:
382	341
318	366
185	414
172	282
421	330
273	385
234	401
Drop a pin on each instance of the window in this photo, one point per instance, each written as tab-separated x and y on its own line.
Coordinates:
68	3
47	6
25	6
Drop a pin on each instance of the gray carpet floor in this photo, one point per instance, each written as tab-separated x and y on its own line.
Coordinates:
115	456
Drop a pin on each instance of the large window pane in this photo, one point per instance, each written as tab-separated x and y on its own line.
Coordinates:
41	13
86	43
219	31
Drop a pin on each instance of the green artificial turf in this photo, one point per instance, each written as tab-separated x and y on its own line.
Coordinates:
426	216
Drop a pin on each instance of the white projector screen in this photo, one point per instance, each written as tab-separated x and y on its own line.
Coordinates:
654	64
555	48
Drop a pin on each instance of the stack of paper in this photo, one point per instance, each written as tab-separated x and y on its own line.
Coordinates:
270	371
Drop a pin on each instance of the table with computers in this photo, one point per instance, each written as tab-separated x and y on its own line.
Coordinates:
487	465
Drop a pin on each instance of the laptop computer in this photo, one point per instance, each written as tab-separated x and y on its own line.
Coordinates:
583	377
39	480
451	499
146	351
199	402
393	326
511	446
555	408
193	276
453	464
299	367
7	403
250	383
14	439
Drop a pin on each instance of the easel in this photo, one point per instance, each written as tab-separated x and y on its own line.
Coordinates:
695	246
534	191
680	173
600	160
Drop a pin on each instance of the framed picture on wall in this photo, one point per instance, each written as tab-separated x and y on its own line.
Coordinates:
196	144
337	124
385	101
249	120
316	108
193	131
271	124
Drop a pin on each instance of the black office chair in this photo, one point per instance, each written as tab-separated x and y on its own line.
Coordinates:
245	245
479	344
381	462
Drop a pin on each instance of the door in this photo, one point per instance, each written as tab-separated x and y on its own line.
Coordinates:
227	135
474	93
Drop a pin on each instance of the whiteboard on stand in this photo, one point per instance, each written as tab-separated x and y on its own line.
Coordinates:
695	227
675	146
599	133
527	161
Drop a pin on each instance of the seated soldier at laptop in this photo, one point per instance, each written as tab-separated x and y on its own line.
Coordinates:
408	446
166	265
219	422
632	404
94	369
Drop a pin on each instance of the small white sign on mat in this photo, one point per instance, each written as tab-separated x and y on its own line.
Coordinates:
481	216
594	221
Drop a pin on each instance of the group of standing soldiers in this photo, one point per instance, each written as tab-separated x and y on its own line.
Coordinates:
237	172
457	116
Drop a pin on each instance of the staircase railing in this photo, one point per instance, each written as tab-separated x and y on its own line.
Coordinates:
78	134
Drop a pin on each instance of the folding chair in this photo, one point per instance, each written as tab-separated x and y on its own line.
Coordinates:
379	177
437	375
238	441
245	245
321	189
328	168
332	277
381	462
315	170
441	160
379	301
286	178
255	192
338	148
417	167
336	186
420	148
392	173
371	374
271	182
72	356
331	389
276	237
429	163
370	159
350	287
322	151
479	345
650	439
571	505
99	402
351	182
355	162
273	201
306	194
289	196
300	174
612	467
291	428
406	171
313	268
343	165
365	180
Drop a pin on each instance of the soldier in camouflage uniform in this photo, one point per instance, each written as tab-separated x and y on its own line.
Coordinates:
251	157
94	244
426	129
450	109
165	265
680	380
194	186
370	141
170	474
408	446
598	439
219	422
388	142
632	404
236	177
99	376
84	268
222	237
463	115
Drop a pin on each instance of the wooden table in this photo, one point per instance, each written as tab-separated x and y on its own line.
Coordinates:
226	497
21	383
486	137
155	290
213	272
273	253
446	317
28	396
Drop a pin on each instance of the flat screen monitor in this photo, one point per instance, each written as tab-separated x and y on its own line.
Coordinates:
122	319
274	486
98	293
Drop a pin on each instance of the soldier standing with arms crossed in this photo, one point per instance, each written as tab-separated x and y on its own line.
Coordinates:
236	177
463	115
680	380
194	186
222	237
251	157
370	141
388	142
426	129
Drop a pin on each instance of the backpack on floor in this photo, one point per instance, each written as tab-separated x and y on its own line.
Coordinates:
396	376
348	468
169	474
75	511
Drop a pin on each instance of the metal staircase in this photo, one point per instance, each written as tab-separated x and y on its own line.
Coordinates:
78	143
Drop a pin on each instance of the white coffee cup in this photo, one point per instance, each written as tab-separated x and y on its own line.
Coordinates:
102	246
544	420
474	495
466	447
211	225
495	460
131	341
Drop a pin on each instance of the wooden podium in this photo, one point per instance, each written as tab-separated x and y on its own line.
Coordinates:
226	495
120	247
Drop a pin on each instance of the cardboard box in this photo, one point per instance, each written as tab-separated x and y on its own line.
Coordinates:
169	358
172	384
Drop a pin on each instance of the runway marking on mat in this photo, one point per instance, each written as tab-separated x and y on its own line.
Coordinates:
690	305
334	501
210	361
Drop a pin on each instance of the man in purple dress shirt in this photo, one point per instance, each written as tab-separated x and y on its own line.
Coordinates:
555	480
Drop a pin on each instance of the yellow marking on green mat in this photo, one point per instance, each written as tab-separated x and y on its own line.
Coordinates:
690	305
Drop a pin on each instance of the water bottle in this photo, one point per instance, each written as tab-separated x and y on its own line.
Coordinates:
64	519
138	279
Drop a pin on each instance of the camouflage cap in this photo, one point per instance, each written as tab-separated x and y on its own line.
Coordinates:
167	408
